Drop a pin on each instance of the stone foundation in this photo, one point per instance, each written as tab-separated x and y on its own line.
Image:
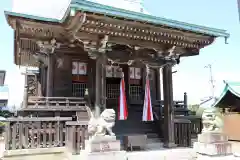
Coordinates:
212	138
103	144
103	148
213	144
213	149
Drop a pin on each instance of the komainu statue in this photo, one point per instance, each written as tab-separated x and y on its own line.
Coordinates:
211	120
102	125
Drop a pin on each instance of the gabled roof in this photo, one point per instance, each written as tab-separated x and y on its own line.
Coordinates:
84	5
230	87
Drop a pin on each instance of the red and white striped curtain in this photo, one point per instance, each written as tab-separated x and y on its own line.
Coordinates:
147	106
122	108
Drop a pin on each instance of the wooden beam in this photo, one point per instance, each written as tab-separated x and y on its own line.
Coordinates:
135	37
154	28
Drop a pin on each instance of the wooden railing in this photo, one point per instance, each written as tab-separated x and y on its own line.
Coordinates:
196	124
76	136
182	132
180	107
186	127
29	133
55	102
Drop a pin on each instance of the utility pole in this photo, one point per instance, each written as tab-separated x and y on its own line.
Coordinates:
209	66
238	5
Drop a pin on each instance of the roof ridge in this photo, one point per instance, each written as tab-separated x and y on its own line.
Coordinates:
232	83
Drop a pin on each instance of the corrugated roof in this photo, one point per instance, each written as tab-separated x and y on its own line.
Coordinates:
94	7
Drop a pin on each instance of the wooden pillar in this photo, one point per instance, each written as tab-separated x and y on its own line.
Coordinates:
25	95
159	94
50	76
185	100
103	83
158	84
100	89
168	107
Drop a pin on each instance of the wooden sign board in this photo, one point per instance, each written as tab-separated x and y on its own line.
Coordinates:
79	68
135	73
113	71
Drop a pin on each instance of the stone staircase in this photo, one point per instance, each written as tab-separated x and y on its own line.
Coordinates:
154	142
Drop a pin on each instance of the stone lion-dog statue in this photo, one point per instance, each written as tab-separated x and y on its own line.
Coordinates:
211	120
102	125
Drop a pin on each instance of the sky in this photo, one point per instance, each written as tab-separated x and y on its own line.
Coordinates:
191	76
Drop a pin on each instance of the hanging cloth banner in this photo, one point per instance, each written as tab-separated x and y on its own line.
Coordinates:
122	110
147	106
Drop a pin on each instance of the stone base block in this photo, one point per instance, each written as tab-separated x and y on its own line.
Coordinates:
103	144
213	149
114	155
211	137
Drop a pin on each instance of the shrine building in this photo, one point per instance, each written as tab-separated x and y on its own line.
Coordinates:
89	47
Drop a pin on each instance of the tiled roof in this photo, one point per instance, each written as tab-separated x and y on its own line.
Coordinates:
232	87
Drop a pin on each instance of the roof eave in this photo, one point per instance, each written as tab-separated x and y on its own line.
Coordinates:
112	11
117	12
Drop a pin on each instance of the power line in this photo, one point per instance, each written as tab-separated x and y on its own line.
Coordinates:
209	66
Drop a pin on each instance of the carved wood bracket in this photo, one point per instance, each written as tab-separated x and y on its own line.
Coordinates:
45	49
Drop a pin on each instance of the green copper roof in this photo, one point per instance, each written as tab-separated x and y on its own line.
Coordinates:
7	13
84	5
232	87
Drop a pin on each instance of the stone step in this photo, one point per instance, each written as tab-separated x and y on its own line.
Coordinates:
152	135
154	146
153	140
